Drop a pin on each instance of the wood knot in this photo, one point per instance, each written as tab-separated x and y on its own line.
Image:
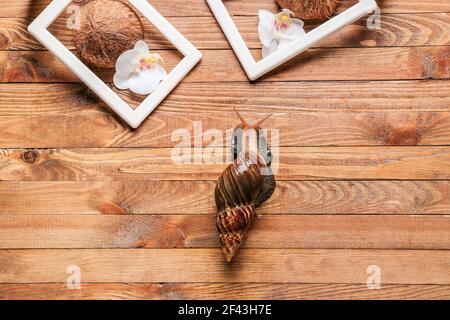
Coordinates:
406	136
111	208
24	69
30	156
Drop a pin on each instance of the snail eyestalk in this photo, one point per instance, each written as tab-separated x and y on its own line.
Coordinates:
250	133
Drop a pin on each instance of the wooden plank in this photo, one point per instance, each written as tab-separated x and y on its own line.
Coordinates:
208	265
296	232
30	8
196	197
314	64
39	129
423	29
24	100
308	163
219	291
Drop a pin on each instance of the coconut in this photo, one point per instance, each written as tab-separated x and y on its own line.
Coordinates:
107	29
310	9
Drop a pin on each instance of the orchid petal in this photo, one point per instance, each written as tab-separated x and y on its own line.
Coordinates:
121	82
297	30
145	82
127	61
289	12
284	41
266	36
293	33
162	71
265	27
266	16
298	22
268	50
141	46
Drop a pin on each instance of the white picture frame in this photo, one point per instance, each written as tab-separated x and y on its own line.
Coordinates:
134	117
255	70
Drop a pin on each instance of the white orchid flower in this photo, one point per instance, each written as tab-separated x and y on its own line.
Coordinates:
139	70
278	30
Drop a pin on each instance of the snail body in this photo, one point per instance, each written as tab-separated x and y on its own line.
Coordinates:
243	186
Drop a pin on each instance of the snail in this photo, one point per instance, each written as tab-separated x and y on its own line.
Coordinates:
243	186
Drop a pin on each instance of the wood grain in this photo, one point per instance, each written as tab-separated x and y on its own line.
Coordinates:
34	115
208	265
196	197
308	163
220	291
31	8
423	29
363	180
27	99
314	64
35	128
281	232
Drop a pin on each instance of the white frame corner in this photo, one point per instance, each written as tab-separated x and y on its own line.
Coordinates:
134	117
255	69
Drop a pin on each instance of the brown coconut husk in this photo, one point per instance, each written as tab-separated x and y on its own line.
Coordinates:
310	9
108	28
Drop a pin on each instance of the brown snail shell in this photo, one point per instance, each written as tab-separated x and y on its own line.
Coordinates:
310	9
108	28
243	186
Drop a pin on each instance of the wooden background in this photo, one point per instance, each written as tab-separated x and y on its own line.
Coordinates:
364	178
